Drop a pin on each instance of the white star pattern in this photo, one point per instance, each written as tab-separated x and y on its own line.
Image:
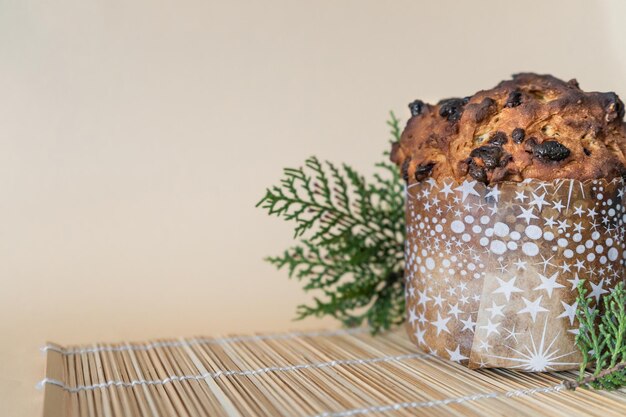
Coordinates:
484	345
412	316
447	189
454	310
591	213
419	335
539	358
438	300
532	307
468	324
545	262
467	188
597	290
579	265
520	264
493	193
512	334
411	290
574	281
549	221
570	311
527	214
423	298
441	324
549	284
511	256
495	310
578	227
455	355
491	327
422	318
507	287
558	205
539	201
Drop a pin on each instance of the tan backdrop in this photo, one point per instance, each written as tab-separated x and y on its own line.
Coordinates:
136	137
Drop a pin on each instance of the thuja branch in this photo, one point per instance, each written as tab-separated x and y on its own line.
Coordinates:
602	340
589	379
351	238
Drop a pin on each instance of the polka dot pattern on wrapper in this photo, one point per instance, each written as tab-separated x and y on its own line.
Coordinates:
499	266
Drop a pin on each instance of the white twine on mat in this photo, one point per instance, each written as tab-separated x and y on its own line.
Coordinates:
446	401
201	341
221	373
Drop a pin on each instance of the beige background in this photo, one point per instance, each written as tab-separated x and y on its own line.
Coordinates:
136	137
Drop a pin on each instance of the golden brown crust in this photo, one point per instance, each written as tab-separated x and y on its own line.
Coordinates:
533	126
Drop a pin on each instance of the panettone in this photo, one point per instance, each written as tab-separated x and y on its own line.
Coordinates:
533	126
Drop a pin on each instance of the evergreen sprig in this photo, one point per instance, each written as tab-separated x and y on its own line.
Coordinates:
602	339
351	238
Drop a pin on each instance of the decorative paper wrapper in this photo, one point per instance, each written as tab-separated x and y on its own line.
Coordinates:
492	273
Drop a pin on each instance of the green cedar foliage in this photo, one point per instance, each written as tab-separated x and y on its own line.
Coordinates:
602	339
350	233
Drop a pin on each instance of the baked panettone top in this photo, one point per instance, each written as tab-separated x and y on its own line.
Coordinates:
533	126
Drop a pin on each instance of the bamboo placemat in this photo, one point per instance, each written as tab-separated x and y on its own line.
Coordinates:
329	373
